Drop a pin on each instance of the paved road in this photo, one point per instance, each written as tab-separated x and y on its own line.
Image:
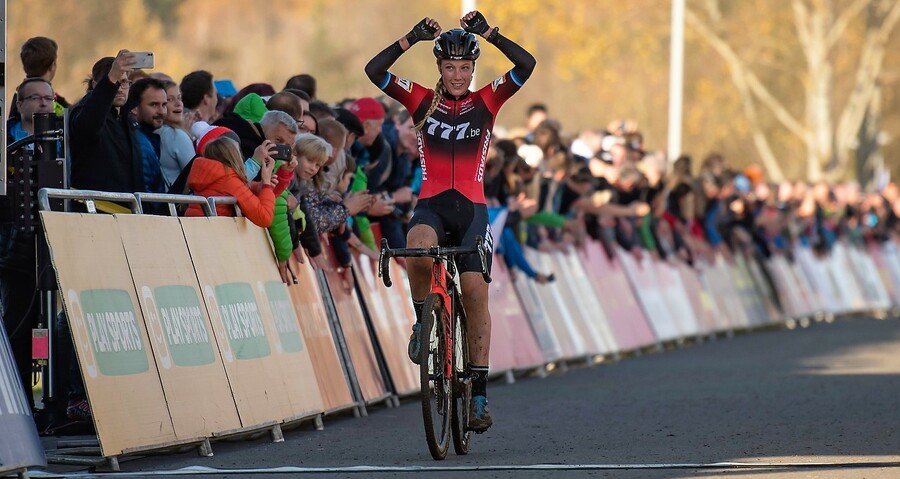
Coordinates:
830	393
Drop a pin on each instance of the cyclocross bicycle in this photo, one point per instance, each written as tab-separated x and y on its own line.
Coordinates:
444	349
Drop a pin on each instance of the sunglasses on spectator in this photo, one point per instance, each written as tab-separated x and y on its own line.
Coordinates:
38	97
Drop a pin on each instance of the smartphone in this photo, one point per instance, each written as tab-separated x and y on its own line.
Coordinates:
281	152
143	60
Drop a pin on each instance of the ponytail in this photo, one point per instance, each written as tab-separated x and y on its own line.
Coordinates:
438	93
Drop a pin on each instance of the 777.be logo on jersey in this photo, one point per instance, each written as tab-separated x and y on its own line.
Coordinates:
462	130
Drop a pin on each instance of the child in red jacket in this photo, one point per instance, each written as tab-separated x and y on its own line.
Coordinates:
220	172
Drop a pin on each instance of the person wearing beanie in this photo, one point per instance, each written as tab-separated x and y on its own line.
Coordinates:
219	171
209	133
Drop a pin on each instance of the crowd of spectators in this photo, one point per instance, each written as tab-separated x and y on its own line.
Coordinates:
352	174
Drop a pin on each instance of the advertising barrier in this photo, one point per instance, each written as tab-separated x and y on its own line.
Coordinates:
643	280
183	343
679	306
390	310
526	290
874	292
356	333
184	329
821	287
747	292
848	293
813	302
701	301
884	257
627	322
281	319
255	350
513	343
577	291
793	299
725	294
313	321
573	344
111	339
762	284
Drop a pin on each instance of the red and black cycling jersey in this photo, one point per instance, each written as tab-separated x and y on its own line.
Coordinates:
453	143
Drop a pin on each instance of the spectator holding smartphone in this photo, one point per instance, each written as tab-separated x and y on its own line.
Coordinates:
220	172
104	153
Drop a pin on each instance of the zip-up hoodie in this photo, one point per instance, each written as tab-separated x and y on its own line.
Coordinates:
212	178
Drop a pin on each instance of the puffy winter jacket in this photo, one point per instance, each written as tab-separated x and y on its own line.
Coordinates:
212	178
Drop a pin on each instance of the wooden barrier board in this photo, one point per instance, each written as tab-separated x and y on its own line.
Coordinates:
313	320
356	334
242	324
392	315
186	353
111	340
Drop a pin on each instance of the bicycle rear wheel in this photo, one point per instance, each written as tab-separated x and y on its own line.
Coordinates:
437	385
462	387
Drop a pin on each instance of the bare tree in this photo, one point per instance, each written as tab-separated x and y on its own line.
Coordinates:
819	30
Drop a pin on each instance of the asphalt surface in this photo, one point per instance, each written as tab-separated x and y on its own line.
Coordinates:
826	394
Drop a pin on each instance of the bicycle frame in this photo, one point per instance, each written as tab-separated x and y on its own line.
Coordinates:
443	278
445	287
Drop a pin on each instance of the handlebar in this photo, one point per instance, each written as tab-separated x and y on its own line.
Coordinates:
436	252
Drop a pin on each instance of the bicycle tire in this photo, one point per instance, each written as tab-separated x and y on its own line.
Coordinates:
437	388
462	387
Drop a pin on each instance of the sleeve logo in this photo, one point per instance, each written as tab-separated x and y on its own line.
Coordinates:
497	83
404	84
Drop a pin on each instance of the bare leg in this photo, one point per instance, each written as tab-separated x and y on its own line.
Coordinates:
475	300
419	269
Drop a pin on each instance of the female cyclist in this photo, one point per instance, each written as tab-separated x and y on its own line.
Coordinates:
454	129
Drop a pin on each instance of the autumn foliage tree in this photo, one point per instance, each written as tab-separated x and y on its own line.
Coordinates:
803	86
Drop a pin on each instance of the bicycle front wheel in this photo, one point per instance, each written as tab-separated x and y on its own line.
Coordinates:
437	384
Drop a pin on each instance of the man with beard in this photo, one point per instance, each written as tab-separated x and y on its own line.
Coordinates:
147	101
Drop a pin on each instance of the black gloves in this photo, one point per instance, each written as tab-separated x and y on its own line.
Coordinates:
477	25
422	31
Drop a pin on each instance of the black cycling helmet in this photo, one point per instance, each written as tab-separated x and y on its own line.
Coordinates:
456	44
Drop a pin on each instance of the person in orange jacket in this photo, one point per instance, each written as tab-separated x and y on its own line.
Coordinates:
220	172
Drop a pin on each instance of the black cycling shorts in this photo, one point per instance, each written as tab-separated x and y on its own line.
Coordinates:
457	222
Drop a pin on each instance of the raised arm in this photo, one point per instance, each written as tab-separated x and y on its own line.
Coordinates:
524	62
88	120
376	69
